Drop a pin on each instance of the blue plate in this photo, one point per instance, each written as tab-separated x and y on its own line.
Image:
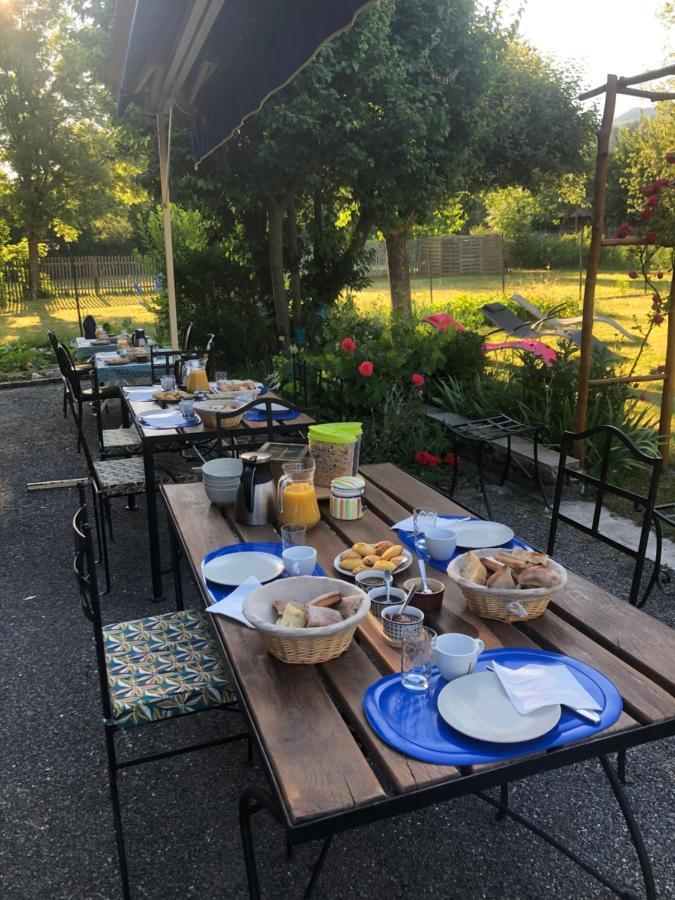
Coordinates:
279	415
412	725
408	538
219	591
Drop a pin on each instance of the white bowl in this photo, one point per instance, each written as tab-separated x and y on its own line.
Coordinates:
223	467
225	481
221	498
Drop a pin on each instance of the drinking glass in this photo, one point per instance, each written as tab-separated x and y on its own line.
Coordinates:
417	659
424	518
187	408
167	382
221	376
293	535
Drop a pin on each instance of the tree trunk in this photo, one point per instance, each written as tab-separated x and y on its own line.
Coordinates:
399	271
336	272
294	263
33	263
275	215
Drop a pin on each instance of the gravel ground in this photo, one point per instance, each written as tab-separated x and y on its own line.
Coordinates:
180	814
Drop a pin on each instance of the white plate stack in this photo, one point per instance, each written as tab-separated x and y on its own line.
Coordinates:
221	480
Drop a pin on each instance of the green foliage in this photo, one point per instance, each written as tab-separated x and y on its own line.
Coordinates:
540	395
23	358
510	210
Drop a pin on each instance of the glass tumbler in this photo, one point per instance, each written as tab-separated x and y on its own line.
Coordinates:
417	658
168	383
424	518
293	535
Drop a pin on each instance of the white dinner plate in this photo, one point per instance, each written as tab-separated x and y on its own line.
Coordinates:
233	569
142	394
477	705
474	535
401	568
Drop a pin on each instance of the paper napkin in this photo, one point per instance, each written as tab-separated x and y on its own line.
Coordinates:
232	605
531	687
409	525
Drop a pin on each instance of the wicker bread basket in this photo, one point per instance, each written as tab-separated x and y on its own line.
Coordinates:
303	645
207	410
500	603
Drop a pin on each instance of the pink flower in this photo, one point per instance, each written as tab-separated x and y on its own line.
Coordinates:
632	274
417	379
348	345
670	157
646	214
366	368
624	230
653	201
650	238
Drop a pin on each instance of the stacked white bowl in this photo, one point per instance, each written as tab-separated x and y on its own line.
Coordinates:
221	480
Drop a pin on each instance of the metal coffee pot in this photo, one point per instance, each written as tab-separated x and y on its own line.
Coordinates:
256	494
138	338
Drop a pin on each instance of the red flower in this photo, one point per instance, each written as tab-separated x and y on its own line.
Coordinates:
648	190
657	319
646	214
366	368
656	302
348	345
417	379
661	370
632	274
451	459
653	201
659	274
650	238
433	460
421	457
624	230
670	157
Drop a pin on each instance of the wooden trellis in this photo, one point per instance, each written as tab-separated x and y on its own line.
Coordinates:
614	86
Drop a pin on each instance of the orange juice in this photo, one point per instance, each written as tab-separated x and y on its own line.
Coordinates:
300	505
197	380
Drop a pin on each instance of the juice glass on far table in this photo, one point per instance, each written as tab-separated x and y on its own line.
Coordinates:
296	497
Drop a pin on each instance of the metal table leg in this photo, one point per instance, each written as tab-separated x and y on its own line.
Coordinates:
153	525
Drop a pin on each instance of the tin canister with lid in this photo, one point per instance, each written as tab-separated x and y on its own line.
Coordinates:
348	497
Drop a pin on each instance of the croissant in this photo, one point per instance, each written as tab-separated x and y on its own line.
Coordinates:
364	549
531	557
473	569
491	563
391	552
293	617
538	576
502	579
396	560
385	565
332	598
349	605
320	615
381	546
360	568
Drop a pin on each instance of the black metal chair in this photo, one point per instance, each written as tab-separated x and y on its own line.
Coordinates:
77	394
163	362
645	502
82	369
233	446
112	442
150	670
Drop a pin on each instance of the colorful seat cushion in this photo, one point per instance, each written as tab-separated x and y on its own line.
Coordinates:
117	477
119	441
163	666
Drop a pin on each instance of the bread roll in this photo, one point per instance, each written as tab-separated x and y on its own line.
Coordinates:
351	563
349	554
332	598
293	617
364	549
391	552
370	560
384	565
381	546
317	616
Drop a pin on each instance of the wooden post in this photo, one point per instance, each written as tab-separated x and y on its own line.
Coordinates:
593	264
668	382
163	138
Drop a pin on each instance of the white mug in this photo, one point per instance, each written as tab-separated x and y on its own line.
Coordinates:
456	654
441	543
299	560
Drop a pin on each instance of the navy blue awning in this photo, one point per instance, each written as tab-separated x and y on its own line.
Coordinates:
217	62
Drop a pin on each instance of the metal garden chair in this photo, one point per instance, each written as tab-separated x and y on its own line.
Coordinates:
150	670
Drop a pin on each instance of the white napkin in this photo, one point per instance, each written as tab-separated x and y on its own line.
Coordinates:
532	687
232	605
409	524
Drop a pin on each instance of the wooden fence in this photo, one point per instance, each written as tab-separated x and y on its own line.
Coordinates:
436	255
101	275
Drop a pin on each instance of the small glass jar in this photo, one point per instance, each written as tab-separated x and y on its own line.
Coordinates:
348	497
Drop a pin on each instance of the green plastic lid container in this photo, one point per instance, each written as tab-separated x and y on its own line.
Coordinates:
335	432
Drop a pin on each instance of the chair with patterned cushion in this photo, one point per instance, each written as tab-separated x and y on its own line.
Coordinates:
150	670
122	441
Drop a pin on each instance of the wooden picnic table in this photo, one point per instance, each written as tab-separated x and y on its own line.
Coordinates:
327	770
155	440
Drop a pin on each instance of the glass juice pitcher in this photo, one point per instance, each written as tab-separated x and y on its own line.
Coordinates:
296	497
195	375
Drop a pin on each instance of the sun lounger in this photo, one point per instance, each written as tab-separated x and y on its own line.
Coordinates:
508	321
563	324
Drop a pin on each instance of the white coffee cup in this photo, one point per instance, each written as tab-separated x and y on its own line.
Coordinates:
299	560
456	654
441	543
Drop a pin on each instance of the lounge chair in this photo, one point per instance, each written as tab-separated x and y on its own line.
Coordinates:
508	321
563	324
